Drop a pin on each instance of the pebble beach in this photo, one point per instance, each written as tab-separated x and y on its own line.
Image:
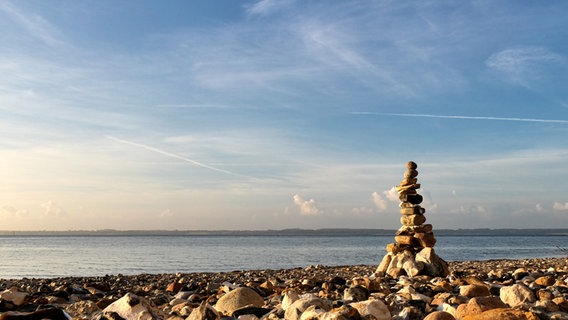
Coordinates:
493	289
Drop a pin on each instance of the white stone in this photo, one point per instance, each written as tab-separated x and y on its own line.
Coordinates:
384	265
295	310
516	294
375	308
411	294
411	267
449	309
394	270
132	307
290	297
312	313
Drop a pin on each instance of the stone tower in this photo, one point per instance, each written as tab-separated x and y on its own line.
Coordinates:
413	251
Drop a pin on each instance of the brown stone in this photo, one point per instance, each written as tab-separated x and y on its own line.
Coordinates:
406	205
395	247
544	295
474	290
404	239
562	303
412	220
404	230
473	280
410	173
425	239
48	313
416	209
502	314
174	287
545	281
440	315
411	165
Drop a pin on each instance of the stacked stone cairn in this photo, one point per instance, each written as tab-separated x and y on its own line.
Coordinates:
413	253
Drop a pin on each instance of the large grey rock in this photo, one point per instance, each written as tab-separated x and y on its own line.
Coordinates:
433	265
516	295
238	298
13	296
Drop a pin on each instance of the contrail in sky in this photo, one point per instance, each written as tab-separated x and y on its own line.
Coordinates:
175	156
458	117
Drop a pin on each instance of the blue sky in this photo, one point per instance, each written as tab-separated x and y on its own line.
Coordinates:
281	114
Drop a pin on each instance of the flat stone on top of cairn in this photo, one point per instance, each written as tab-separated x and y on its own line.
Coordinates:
413	251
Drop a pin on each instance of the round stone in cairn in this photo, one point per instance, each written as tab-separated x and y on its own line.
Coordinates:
411	165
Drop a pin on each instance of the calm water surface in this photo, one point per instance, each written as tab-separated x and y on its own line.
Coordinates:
51	256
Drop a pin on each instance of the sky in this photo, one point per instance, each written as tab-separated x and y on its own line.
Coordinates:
275	114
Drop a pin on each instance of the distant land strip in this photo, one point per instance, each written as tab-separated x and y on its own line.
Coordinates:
329	232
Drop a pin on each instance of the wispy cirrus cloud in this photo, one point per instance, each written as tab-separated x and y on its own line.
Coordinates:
175	156
523	65
459	117
266	7
36	26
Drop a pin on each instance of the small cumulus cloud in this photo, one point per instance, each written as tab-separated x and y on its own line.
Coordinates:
361	211
391	194
477	210
307	207
52	209
379	201
557	206
8	211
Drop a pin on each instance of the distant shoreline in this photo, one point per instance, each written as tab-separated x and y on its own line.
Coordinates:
339	232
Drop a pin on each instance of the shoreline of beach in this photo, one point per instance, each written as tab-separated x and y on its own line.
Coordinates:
472	287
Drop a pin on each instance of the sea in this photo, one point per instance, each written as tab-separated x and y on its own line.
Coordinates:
66	256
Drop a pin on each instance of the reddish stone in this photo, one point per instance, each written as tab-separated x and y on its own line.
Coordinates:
503	314
174	287
440	315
